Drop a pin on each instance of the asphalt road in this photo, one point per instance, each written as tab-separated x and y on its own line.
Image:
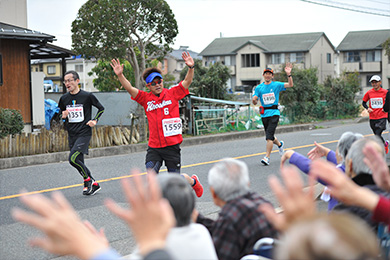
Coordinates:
108	170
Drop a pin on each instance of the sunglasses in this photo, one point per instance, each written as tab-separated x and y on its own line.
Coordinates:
154	83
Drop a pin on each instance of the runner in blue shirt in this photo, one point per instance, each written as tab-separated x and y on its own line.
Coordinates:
268	94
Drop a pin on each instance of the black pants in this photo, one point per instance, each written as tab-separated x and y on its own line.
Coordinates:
170	155
78	147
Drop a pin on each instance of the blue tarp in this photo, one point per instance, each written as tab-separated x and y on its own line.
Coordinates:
51	107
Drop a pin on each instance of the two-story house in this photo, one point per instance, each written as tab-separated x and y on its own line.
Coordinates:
173	63
362	51
247	57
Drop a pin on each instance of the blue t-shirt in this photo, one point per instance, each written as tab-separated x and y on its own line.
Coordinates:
269	96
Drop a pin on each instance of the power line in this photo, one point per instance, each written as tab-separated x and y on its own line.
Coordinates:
348	9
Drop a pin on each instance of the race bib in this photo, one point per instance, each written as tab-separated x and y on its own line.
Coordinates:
172	126
76	113
268	98
376	102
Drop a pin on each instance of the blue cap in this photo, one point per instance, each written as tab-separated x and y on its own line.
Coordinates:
151	77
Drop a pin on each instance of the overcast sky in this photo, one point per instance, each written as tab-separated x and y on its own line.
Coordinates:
201	21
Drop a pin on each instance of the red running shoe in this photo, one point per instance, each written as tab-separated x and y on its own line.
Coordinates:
198	188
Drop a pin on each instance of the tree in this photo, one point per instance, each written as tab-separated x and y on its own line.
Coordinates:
340	94
106	79
209	82
301	101
131	29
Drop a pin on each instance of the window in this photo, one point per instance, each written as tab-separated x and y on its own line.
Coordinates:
277	58
328	58
51	69
352	56
41	67
79	68
297	57
373	56
1	69
250	60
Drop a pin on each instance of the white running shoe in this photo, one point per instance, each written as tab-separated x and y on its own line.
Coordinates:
281	150
265	161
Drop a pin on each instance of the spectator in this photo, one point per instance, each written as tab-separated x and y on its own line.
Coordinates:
187	240
239	224
357	169
345	190
337	158
328	236
309	235
150	219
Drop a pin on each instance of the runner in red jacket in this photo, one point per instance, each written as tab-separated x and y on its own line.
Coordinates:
162	110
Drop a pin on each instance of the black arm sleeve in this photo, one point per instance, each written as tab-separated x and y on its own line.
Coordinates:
98	105
364	104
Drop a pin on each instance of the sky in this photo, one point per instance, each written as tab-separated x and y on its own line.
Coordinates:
202	21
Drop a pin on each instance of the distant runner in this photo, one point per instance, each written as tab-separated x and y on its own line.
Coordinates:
376	108
268	93
75	109
162	110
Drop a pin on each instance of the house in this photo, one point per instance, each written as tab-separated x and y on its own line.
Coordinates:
173	63
247	57
362	51
18	46
53	71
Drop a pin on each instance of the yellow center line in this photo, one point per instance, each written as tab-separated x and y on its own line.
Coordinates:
163	170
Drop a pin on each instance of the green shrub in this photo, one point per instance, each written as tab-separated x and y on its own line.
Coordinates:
11	122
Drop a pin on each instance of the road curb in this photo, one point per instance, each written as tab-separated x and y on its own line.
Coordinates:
22	161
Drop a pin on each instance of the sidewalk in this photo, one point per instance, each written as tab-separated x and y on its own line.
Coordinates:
22	161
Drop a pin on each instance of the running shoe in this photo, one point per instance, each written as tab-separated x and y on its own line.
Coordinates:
87	186
95	188
265	161
281	150
387	146
198	188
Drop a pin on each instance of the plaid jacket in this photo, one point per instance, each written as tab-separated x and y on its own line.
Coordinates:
238	226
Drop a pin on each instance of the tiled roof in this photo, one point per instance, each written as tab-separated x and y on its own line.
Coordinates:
299	42
176	54
364	40
8	31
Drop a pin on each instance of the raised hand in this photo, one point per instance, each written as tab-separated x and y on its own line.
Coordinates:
187	59
117	67
318	151
288	68
150	216
65	233
378	166
296	203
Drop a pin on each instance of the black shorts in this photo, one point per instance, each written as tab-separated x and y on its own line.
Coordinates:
378	126
79	143
270	124
170	155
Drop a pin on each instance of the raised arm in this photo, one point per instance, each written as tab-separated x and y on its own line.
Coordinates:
288	70
190	74
118	69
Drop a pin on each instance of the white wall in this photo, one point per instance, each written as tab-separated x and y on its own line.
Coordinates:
14	12
38	98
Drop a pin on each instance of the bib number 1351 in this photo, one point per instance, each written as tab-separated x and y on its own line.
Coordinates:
172	126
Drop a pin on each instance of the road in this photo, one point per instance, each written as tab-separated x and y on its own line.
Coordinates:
109	170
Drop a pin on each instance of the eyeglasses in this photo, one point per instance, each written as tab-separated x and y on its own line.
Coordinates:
68	80
154	83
